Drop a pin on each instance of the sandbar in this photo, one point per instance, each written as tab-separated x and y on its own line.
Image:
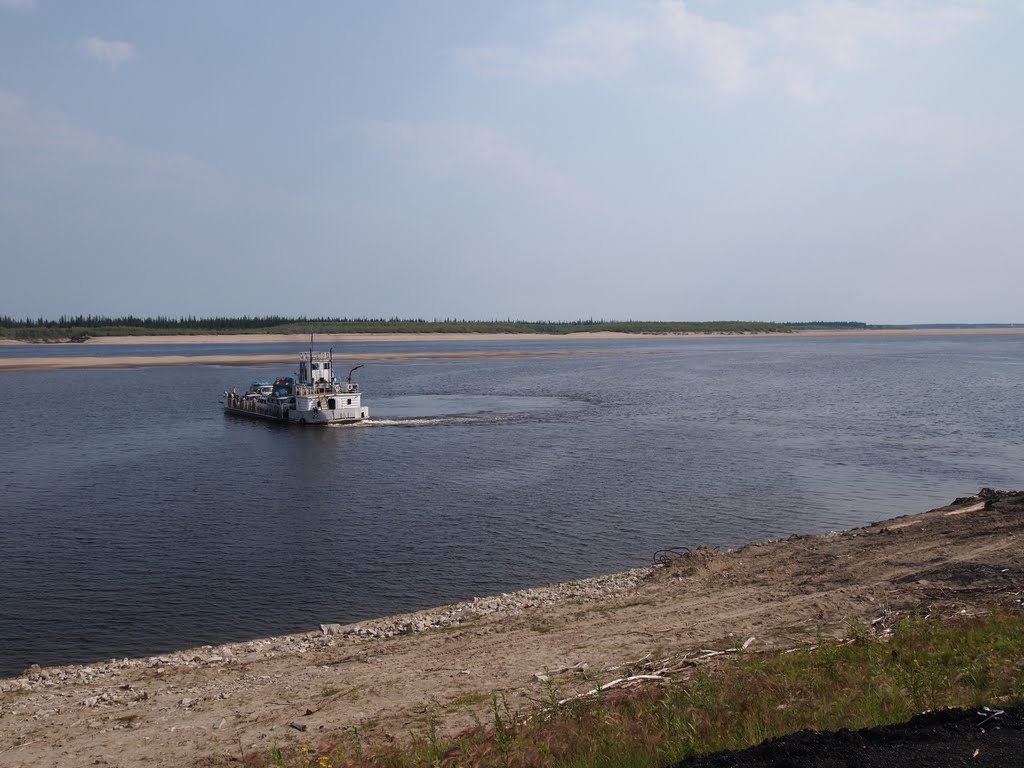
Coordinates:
12	364
357	338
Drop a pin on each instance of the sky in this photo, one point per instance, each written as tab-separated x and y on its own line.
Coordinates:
785	160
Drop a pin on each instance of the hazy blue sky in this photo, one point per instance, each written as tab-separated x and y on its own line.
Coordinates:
774	160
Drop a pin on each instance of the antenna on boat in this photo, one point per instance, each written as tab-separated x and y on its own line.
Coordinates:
349	379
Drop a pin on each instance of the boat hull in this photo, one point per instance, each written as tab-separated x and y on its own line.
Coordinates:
292	416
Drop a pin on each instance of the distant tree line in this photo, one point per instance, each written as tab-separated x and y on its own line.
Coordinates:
81	327
191	322
827	325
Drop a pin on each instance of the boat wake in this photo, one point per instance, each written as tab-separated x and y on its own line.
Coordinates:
445	421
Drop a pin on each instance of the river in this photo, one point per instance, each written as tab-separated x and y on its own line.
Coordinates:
136	518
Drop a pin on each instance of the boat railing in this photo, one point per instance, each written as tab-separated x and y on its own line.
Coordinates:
324	388
261	409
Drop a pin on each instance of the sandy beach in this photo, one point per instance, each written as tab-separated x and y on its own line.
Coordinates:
533	346
134	361
390	677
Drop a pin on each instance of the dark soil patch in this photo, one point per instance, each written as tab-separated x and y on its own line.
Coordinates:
963	575
956	737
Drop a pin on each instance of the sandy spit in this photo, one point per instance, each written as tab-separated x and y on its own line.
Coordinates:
54	363
356	338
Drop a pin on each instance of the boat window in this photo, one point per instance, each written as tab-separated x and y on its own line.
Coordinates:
326	366
350	401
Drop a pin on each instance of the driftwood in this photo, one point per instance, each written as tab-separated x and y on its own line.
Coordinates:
660	672
622	682
630	664
661	675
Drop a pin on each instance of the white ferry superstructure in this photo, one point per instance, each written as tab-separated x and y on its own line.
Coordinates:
314	396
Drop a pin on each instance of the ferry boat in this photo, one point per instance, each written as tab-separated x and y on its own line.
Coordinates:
315	396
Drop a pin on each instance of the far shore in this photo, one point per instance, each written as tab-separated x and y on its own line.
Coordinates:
533	346
301	340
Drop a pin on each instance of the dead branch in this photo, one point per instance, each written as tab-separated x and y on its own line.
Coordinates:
619	683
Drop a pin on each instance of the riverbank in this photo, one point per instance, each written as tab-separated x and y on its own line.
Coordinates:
391	677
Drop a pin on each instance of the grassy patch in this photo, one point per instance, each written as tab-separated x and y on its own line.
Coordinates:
861	682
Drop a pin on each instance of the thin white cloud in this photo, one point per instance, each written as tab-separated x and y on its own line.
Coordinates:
796	49
847	33
508	61
608	41
810	47
724	51
590	47
794	52
113	52
18	5
800	88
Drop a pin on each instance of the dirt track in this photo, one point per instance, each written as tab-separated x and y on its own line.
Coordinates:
178	709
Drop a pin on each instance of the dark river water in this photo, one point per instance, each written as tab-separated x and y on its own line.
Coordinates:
136	518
